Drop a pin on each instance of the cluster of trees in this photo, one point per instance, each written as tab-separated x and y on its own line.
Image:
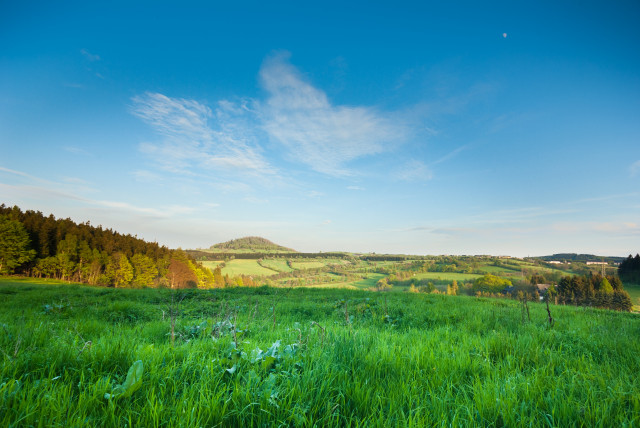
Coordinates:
251	243
580	258
629	269
593	290
490	284
45	247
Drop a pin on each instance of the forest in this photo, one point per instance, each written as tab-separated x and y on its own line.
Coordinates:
40	246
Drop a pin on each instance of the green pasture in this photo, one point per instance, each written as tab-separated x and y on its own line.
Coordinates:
634	292
448	276
211	264
500	270
311	264
237	267
279	265
363	284
308	357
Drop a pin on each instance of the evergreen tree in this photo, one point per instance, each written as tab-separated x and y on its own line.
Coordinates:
14	245
605	286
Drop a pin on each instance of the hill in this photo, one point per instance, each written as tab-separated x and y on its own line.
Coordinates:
582	258
250	244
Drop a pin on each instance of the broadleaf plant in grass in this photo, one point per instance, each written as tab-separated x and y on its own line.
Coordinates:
132	383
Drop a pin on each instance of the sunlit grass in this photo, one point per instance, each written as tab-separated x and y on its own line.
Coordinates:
356	359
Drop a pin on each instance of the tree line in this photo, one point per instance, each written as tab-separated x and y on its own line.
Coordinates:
629	269
40	246
594	290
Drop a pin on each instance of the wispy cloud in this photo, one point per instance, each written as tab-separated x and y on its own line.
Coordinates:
89	56
356	188
76	150
414	170
22	186
146	176
254	200
294	116
449	155
322	135
634	169
622	228
194	136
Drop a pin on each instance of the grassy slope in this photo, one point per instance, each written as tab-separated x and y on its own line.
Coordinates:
245	267
279	265
448	276
439	361
298	265
634	292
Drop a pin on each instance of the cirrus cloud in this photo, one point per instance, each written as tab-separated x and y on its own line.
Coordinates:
321	135
294	115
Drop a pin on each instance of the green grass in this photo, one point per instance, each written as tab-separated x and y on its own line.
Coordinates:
211	264
634	292
402	360
299	265
363	284
448	276
245	267
279	265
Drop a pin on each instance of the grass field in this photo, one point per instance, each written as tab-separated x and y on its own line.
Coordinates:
298	265
279	265
245	267
211	264
448	276
634	292
363	284
309	357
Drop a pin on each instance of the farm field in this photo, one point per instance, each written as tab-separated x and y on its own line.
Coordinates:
245	267
363	284
308	357
211	264
448	276
279	265
299	265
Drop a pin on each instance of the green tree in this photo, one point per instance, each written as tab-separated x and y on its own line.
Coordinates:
452	289
383	284
144	271
605	286
490	284
14	245
119	270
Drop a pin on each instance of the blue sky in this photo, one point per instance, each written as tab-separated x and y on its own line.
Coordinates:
401	127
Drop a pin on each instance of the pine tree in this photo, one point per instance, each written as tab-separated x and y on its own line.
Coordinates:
14	245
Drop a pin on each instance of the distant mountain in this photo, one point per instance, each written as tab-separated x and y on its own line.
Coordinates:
582	258
250	244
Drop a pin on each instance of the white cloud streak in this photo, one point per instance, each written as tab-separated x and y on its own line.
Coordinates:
89	56
634	169
294	115
190	141
414	170
315	132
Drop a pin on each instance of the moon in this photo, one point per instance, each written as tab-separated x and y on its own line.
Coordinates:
504	35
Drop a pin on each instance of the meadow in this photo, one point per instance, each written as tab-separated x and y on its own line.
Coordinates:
308	357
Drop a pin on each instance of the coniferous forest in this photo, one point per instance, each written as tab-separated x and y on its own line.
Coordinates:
42	246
